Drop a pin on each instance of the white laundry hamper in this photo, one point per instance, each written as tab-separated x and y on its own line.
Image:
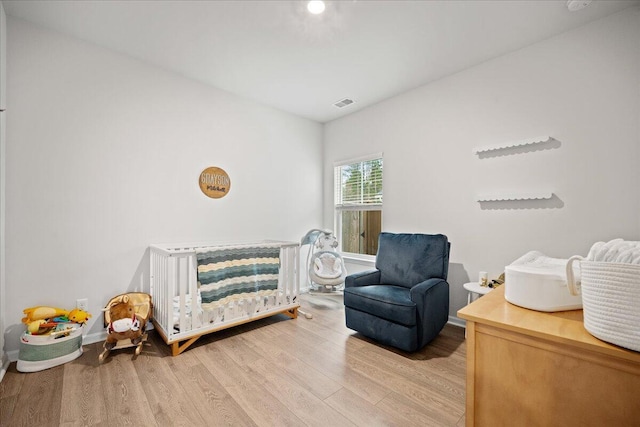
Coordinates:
610	299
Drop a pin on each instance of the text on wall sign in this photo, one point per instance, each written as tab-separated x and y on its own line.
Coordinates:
214	182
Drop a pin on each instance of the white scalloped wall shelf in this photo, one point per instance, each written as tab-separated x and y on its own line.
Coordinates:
530	141
514	197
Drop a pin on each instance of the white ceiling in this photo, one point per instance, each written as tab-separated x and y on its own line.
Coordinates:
278	54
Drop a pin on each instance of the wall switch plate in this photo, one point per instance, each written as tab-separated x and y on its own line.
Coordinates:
82	304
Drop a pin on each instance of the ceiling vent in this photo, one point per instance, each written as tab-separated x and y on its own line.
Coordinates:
344	102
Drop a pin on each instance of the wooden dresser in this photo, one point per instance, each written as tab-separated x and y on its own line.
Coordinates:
529	368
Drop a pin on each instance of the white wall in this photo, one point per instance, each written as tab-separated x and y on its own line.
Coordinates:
103	158
3	91
580	87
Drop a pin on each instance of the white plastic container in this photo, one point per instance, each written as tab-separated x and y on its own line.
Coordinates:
538	282
39	352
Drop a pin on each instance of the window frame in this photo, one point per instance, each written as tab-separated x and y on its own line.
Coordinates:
339	208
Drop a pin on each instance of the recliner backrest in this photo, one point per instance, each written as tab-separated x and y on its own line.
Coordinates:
408	259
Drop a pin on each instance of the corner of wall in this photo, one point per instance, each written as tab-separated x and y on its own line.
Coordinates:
637	11
3	38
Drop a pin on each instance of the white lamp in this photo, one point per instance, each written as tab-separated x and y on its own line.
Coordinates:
316	7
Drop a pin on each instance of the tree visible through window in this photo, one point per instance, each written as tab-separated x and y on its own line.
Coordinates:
358	203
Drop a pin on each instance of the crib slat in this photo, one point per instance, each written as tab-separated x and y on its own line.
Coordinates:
182	294
171	291
193	291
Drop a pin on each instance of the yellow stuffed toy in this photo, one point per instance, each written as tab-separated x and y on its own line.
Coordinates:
78	316
42	312
34	327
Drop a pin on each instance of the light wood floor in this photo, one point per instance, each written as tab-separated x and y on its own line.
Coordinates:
272	372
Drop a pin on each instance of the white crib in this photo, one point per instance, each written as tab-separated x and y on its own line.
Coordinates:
179	316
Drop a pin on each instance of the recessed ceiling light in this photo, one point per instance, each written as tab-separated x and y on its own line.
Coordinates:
315	6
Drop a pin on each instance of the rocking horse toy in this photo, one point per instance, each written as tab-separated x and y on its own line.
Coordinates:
125	318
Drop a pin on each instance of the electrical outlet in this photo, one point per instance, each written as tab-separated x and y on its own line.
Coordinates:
82	304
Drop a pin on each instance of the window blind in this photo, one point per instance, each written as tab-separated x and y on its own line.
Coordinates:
359	185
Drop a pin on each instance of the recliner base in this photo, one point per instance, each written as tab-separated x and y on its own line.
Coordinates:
381	330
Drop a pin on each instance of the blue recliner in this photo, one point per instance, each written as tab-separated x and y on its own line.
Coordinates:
404	303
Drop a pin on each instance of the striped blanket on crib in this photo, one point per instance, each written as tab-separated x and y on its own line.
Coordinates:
231	273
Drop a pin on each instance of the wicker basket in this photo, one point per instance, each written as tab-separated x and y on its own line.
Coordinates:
611	301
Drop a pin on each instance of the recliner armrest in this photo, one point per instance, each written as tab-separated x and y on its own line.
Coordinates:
421	289
363	278
432	303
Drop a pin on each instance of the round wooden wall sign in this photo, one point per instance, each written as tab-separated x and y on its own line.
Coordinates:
214	182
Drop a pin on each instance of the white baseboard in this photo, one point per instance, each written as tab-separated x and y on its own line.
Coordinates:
456	321
12	355
4	366
94	338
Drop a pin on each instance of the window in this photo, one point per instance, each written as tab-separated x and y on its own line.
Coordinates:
358	204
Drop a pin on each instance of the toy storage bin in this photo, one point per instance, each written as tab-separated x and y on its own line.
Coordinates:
39	352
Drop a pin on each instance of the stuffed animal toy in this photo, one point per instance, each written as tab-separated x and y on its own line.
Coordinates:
78	316
41	320
34	327
42	312
124	323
